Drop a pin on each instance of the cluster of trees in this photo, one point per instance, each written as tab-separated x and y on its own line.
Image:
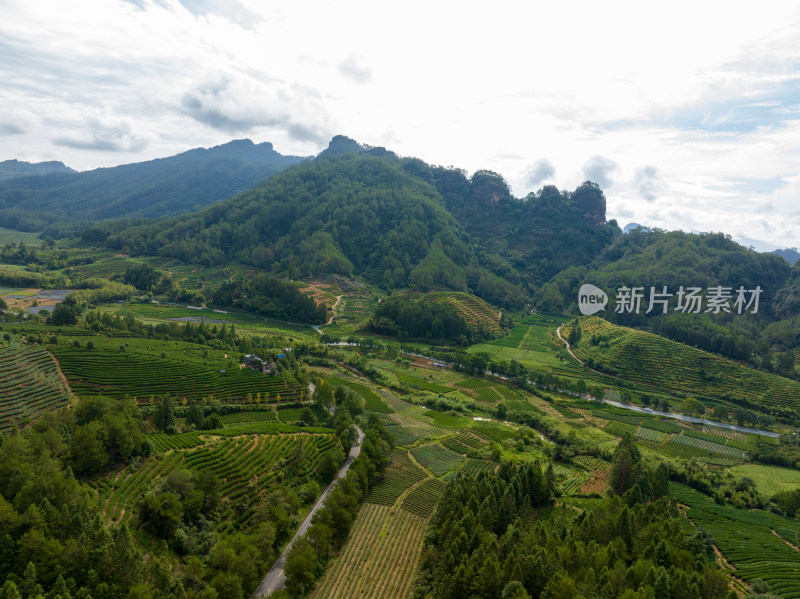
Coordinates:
784	453
410	319
310	555
482	542
45	257
266	295
53	539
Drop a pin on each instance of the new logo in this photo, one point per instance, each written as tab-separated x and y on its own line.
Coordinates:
591	299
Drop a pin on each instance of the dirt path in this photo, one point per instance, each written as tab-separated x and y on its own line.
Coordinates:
793	546
569	349
333	309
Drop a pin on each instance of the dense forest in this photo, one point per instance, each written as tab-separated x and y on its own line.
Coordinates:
268	296
409	319
397	222
483	541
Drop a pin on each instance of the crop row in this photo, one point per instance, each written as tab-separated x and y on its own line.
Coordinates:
472	309
30	384
249	416
746	540
620	428
709	446
400	474
265	428
162	442
494	431
436	458
589	462
649	434
664	426
714	438
423	498
472	466
117	374
380	558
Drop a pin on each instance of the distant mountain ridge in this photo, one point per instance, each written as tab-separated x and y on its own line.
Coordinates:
12	169
791	255
61	200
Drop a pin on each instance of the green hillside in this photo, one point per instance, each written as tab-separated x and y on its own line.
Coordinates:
30	384
652	360
189	181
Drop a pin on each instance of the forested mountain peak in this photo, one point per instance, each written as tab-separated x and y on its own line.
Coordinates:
11	169
397	221
60	201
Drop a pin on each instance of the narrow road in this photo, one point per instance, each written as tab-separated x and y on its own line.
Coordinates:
275	578
333	309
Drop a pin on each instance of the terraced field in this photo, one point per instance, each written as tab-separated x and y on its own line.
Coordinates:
656	361
747	540
400	475
474	310
437	459
141	371
246	467
30	384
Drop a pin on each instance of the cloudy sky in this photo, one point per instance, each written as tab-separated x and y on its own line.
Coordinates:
687	114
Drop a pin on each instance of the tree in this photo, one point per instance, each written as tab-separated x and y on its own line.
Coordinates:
626	464
323	395
300	568
331	462
662	588
164	416
692	406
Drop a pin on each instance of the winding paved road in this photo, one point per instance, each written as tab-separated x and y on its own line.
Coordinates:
275	578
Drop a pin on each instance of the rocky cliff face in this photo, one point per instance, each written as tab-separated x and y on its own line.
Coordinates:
592	203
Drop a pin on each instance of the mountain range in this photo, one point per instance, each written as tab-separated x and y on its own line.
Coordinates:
53	197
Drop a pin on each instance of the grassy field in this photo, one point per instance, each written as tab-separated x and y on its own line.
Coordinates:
12	236
769	479
143	368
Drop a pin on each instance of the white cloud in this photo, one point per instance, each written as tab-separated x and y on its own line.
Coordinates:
105	132
17	122
600	170
354	69
538	172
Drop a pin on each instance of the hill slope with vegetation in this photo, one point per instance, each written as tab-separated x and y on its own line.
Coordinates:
189	181
664	364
